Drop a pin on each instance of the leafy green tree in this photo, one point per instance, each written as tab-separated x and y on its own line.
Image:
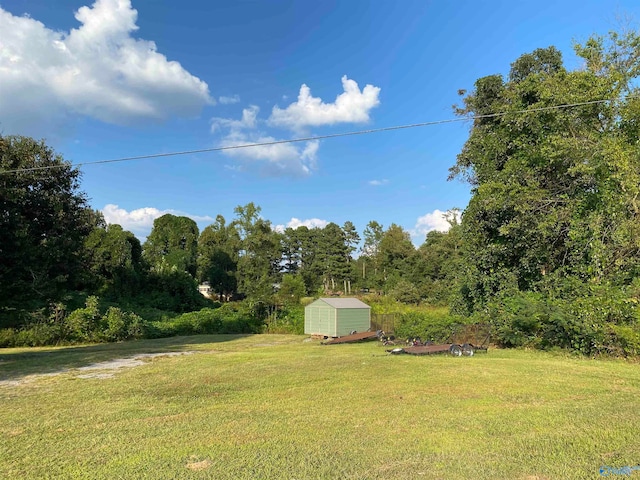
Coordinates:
333	255
554	190
44	220
115	261
218	253
292	244
370	254
352	239
405	292
395	252
260	253
437	264
292	289
172	244
311	257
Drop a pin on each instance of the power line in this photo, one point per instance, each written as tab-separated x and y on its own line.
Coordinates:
307	139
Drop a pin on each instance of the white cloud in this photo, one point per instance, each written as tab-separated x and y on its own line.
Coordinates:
296	223
291	158
432	221
351	106
377	183
229	100
140	220
276	159
248	120
98	70
296	159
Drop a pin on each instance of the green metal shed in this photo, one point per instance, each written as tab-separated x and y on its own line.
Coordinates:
335	317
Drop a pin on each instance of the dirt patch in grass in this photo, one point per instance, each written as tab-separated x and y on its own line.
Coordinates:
96	375
100	370
197	466
128	362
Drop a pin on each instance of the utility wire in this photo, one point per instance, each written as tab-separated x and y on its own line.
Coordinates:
307	139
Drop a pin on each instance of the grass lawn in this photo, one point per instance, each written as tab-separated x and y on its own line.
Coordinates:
276	406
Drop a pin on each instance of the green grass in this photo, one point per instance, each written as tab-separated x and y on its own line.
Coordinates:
275	406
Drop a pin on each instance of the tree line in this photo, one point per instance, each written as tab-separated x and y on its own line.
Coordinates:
547	251
53	244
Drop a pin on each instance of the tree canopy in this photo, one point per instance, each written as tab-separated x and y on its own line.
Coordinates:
44	218
554	190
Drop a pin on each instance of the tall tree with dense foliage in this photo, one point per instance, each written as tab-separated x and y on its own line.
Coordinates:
311	245
115	261
173	244
218	253
260	253
370	259
438	262
395	253
44	220
554	190
333	254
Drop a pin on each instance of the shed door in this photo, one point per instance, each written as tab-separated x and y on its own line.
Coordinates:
324	317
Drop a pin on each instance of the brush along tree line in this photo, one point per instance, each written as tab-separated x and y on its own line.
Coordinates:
548	249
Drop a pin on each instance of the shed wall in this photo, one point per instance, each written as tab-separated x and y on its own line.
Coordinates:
350	319
319	318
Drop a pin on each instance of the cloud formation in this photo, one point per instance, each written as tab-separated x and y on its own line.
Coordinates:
298	158
248	120
435	220
228	100
351	106
377	183
276	159
295	159
296	223
97	70
140	220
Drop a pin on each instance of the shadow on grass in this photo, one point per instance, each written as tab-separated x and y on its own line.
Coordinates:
18	363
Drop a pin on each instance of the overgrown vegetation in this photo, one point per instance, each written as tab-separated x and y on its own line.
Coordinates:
551	236
547	251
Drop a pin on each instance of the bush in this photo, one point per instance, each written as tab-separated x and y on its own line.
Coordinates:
8	337
37	335
593	319
405	292
517	319
118	325
229	318
289	320
174	290
429	325
84	323
624	340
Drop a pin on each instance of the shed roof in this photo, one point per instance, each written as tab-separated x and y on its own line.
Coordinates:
344	302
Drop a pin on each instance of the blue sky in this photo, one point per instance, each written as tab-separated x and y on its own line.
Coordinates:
120	78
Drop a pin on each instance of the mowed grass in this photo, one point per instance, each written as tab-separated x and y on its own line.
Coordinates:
277	406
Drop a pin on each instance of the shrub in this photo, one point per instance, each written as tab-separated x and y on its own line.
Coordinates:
623	340
289	320
517	319
229	318
405	292
84	323
37	335
8	337
590	319
428	325
118	325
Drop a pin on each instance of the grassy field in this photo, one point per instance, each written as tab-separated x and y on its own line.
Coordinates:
272	406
